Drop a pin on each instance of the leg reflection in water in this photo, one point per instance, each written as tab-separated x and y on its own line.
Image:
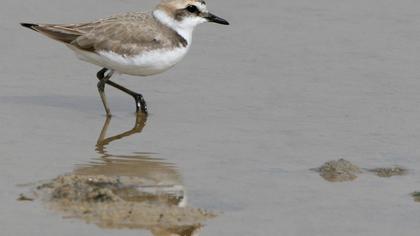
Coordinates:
132	191
103	141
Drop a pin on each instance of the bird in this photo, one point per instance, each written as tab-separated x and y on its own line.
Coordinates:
134	43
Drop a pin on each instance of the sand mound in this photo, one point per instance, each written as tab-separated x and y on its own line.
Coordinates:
122	202
339	171
389	172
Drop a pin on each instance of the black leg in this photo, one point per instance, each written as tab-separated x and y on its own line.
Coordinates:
140	102
101	88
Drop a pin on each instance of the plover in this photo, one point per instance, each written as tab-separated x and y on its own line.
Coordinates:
140	44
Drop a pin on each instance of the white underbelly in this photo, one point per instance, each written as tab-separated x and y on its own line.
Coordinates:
148	63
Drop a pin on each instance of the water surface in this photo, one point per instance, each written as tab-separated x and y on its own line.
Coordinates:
241	121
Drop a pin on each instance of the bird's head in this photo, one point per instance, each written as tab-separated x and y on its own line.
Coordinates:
185	14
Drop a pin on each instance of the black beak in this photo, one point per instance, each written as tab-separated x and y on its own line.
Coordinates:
215	19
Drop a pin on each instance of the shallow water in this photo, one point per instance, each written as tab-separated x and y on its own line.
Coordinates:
241	121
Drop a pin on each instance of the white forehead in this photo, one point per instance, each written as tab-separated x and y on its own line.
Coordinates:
202	7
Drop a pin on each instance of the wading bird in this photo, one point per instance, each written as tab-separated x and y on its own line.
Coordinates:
140	44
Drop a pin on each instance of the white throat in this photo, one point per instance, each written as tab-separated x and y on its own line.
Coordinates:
184	28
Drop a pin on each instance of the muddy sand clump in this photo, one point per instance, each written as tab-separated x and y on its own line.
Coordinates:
339	171
121	202
416	196
24	198
389	172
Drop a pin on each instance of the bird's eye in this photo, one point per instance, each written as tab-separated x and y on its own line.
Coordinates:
192	9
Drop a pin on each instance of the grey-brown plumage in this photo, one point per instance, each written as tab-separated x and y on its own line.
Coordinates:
127	34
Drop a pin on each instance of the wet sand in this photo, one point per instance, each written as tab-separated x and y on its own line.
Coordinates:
241	121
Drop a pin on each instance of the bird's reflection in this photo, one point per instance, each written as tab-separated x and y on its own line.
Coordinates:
132	191
103	141
160	180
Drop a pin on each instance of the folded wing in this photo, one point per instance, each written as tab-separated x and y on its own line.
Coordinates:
128	34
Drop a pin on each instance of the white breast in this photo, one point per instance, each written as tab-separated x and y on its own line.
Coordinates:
147	63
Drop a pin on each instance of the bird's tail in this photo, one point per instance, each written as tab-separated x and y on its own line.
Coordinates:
62	33
30	26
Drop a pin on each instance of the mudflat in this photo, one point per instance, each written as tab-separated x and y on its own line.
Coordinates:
233	132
